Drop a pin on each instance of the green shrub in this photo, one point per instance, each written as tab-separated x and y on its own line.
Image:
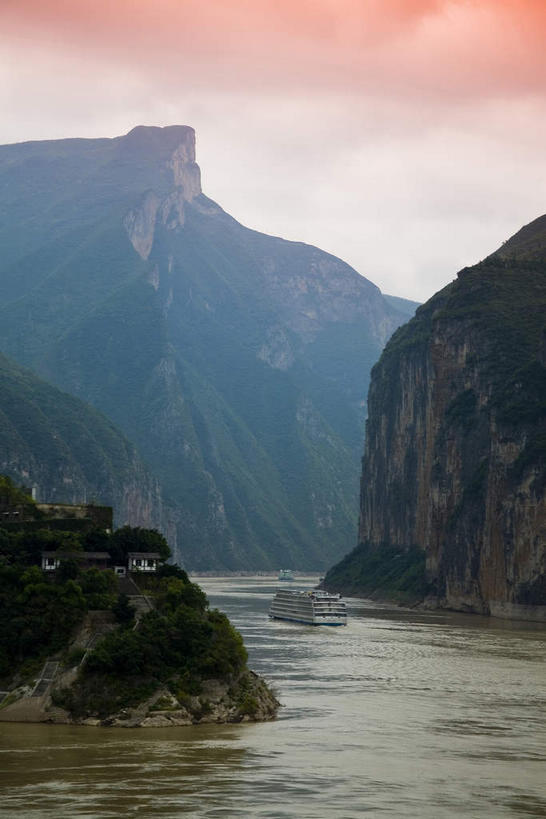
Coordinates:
249	706
135	539
37	617
123	611
396	573
99	587
179	644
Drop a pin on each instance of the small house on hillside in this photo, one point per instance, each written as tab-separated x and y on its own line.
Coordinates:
136	561
86	560
143	561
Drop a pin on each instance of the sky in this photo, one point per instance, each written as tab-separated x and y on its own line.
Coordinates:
404	136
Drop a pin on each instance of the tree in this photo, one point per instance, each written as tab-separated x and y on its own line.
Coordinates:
11	496
174	592
172	570
135	539
68	570
123	611
96	540
99	587
27	546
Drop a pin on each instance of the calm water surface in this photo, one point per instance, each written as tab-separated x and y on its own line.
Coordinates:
400	714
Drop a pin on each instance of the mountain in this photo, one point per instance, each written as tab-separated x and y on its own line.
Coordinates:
453	492
68	451
404	306
236	362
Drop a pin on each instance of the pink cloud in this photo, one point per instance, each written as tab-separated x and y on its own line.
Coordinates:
435	47
343	123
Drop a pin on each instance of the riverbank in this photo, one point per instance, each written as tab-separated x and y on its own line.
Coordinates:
245	698
157	657
425	715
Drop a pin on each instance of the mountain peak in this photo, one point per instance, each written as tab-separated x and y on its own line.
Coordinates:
174	147
152	138
528	243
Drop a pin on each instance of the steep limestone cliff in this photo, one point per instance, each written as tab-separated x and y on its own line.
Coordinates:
183	179
237	363
455	454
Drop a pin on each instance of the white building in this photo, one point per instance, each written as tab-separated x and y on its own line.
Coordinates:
143	561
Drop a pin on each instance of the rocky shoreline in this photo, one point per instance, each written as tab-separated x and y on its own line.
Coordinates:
244	699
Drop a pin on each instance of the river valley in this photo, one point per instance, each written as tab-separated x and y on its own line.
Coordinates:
400	714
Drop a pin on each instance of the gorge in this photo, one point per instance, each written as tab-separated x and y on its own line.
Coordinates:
235	363
453	489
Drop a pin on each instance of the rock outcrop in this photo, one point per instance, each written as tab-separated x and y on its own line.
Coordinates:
237	363
245	698
185	186
455	454
171	661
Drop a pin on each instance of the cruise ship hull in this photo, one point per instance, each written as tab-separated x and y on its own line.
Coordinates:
312	608
340	622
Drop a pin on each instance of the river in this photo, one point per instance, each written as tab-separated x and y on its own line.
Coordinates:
400	714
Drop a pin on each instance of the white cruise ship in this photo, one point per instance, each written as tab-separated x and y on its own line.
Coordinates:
315	608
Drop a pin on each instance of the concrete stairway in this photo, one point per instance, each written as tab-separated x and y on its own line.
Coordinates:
47	675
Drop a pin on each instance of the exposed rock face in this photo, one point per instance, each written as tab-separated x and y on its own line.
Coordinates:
246	698
455	456
324	290
186	173
237	363
276	350
140	223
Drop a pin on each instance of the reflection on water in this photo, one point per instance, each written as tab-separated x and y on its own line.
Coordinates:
401	713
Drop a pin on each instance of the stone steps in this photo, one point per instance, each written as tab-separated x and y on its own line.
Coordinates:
45	679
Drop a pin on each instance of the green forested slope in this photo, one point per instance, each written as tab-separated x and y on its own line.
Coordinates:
454	470
159	661
237	362
67	450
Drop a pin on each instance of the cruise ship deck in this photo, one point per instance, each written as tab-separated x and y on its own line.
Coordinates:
314	608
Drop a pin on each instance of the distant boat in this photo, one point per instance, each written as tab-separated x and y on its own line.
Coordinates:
286	574
314	608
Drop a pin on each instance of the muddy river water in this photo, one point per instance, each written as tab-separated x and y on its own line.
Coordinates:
400	714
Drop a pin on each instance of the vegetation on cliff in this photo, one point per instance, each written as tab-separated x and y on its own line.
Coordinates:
178	645
13	497
236	362
38	613
381	572
503	299
68	450
165	657
455	454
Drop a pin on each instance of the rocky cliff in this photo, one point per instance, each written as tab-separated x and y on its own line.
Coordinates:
454	468
237	363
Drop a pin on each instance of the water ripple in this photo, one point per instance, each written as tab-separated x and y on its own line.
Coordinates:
421	715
